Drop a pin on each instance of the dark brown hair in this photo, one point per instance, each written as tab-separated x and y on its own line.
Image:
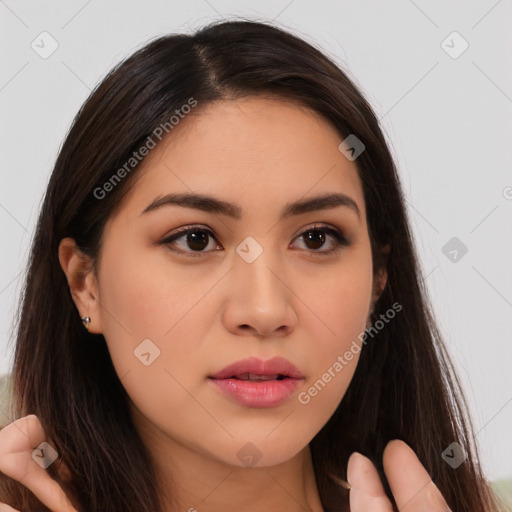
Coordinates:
404	386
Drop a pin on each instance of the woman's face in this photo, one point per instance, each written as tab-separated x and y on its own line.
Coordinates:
250	283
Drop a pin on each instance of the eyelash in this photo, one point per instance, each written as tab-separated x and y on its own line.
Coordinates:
339	239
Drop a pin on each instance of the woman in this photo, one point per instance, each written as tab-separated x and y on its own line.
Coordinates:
223	308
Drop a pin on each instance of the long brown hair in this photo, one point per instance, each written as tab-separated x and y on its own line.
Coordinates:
404	386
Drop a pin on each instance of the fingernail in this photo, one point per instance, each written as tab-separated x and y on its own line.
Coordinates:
357	463
363	475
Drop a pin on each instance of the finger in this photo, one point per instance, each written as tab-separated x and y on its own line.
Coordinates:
6	508
18	441
412	487
48	491
19	437
366	491
29	426
33	436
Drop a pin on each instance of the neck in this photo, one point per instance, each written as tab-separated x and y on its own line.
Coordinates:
197	482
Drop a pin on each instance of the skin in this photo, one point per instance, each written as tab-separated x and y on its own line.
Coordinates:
204	312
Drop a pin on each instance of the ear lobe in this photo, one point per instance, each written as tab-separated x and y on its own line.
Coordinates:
82	282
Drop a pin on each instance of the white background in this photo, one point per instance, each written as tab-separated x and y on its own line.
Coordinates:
448	121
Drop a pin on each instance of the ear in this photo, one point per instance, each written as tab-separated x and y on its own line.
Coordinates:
379	283
381	276
82	282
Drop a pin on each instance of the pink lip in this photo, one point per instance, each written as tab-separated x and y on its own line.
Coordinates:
276	365
264	393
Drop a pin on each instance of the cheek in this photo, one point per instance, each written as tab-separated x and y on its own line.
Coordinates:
338	300
154	300
342	303
154	323
335	360
322	394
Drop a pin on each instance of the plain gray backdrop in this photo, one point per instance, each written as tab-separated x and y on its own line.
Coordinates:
439	77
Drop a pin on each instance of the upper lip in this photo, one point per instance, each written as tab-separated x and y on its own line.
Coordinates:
273	366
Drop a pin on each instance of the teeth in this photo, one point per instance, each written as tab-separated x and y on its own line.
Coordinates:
256	377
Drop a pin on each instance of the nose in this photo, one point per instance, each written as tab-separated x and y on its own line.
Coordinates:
259	300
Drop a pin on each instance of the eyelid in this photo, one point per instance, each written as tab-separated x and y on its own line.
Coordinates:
340	239
184	230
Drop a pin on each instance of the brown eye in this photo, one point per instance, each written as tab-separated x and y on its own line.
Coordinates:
197	240
316	237
191	240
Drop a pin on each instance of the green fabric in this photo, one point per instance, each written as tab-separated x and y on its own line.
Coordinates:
502	488
5	392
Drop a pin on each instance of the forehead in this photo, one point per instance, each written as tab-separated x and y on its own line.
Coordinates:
253	151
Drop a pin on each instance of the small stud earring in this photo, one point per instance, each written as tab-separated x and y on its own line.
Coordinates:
86	320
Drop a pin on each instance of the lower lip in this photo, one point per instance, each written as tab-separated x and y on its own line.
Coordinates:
269	393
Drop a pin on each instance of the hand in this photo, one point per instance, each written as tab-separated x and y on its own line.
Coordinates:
410	483
17	442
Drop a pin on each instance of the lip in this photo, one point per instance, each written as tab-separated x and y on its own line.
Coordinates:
258	393
276	365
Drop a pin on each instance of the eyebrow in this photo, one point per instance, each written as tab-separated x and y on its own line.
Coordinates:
213	205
